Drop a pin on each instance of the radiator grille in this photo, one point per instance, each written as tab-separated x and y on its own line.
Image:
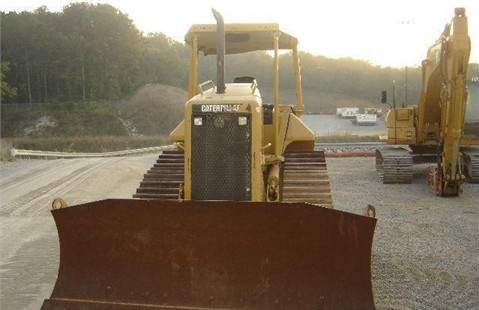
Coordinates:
220	159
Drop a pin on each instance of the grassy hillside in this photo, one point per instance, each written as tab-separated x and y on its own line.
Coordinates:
154	110
144	119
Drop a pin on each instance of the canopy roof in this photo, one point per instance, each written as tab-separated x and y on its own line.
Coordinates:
240	38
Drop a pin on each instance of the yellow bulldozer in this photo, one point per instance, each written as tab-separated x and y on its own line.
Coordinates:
443	127
238	216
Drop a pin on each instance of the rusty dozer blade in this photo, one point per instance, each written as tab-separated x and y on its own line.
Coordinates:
154	254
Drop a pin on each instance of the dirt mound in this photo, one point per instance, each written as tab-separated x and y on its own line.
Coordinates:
154	109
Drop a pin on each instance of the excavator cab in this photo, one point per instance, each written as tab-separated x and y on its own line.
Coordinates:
239	216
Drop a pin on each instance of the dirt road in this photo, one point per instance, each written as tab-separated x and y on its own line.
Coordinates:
425	251
29	253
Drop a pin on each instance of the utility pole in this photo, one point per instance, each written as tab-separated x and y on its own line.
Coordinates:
83	81
405	90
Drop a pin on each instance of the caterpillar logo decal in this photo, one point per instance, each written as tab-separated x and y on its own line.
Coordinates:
220	108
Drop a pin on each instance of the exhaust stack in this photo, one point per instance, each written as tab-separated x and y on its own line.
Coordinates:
220	52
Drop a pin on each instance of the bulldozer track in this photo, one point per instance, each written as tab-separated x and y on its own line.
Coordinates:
302	170
306	170
394	165
164	179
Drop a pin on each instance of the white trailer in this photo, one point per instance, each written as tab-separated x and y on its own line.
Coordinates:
366	119
347	112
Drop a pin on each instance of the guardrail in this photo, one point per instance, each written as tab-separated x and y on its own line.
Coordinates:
46	154
331	150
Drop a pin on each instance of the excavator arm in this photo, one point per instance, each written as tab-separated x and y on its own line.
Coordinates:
449	59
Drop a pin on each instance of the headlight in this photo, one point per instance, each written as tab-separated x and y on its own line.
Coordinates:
198	121
242	120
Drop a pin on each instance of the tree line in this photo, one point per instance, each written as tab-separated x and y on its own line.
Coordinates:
94	52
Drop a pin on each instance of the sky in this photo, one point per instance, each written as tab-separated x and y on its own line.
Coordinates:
394	33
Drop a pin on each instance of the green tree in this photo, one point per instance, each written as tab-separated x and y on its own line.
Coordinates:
6	90
162	61
104	45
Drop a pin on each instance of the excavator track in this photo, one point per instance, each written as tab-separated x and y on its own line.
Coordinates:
470	158
165	178
305	178
394	165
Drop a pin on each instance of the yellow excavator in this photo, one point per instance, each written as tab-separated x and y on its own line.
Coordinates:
238	216
436	129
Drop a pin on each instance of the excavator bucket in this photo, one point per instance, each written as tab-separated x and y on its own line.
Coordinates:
155	254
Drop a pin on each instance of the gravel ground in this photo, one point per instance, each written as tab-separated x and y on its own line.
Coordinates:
425	250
